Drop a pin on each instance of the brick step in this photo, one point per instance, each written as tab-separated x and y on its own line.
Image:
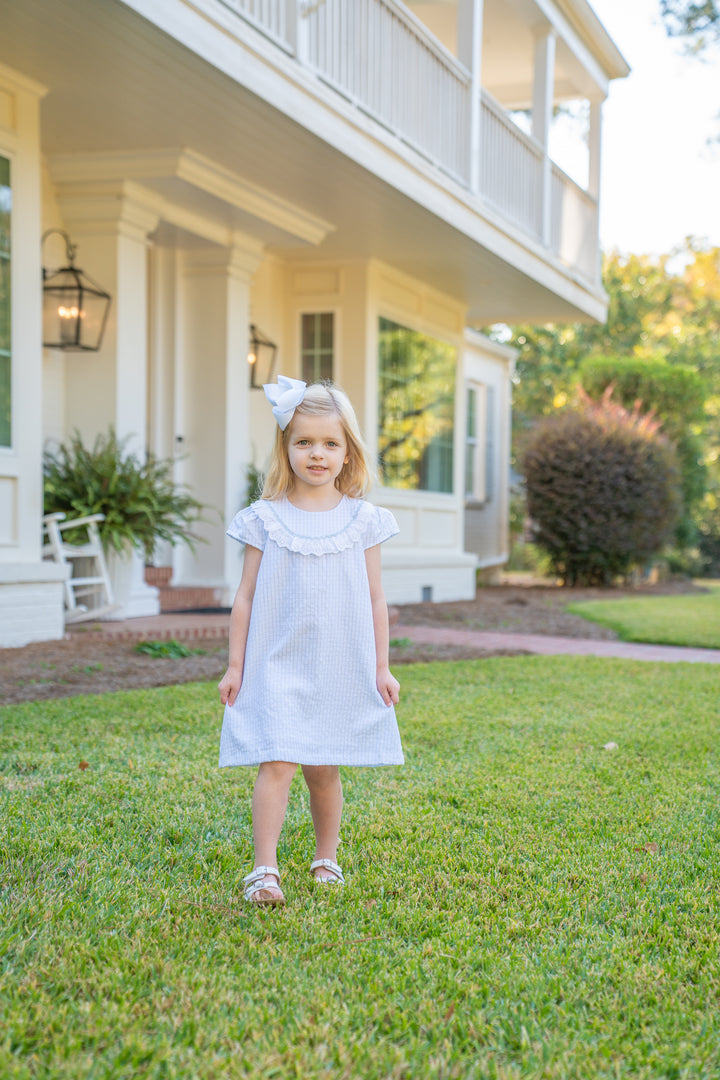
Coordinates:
159	576
180	598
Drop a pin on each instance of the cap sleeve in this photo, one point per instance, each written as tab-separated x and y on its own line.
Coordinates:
247	527
381	526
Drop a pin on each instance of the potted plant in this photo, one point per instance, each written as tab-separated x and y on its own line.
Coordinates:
141	502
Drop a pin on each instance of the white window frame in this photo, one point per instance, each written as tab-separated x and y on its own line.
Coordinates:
320	309
7	448
480	444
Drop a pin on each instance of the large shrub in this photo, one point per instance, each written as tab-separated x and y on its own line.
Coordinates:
603	490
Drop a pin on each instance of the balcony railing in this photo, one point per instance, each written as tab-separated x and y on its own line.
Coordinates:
575	225
382	59
511	168
371	51
270	16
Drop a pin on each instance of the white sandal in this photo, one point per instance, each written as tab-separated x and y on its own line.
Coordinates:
256	885
337	879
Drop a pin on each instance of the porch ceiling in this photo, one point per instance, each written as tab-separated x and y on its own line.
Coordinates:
117	83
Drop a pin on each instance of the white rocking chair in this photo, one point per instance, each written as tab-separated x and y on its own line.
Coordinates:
97	582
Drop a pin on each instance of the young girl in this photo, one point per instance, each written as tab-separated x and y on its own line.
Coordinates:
308	681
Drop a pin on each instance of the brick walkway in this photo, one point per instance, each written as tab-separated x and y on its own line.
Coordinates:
193	626
555	646
185	626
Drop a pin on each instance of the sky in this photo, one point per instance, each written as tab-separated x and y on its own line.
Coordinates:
660	180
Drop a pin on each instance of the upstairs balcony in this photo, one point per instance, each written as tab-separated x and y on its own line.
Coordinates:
418	134
414	70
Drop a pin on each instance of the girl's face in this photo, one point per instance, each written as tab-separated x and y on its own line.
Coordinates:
317	449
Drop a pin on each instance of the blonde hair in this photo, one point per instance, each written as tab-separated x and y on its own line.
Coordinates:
356	477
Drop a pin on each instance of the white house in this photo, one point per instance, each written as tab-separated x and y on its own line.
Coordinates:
345	175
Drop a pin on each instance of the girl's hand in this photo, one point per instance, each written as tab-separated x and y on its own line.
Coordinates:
388	686
229	685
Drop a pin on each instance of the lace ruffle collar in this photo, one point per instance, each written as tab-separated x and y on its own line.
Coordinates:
343	531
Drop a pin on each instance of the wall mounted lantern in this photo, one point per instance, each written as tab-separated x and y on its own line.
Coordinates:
261	357
75	308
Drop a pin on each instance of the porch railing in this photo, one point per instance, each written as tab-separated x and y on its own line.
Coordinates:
386	63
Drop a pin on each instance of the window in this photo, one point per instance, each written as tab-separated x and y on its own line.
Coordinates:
480	442
317	346
416	409
5	325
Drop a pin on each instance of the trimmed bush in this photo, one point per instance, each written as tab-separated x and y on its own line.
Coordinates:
603	490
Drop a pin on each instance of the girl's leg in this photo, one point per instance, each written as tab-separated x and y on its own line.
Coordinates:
269	804
326	804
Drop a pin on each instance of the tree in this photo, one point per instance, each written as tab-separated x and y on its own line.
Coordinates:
666	307
641	293
697	22
675	394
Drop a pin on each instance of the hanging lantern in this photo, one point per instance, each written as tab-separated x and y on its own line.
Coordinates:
261	358
75	308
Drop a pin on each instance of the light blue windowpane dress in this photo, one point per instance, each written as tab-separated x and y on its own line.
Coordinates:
308	693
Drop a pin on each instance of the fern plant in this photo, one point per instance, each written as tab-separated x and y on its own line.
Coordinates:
141	502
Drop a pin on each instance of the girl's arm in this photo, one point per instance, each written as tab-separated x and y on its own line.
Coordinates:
386	683
229	685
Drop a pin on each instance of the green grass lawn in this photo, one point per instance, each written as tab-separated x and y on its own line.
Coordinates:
521	903
661	620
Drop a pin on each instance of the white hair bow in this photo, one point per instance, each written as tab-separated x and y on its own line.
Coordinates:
284	396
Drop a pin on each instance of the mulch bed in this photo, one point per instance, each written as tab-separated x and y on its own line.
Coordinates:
531	609
87	664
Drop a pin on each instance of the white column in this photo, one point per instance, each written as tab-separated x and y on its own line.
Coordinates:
469	50
595	148
594	169
161	361
111	223
543	97
216	402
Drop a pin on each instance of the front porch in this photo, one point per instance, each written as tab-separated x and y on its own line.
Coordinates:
221	165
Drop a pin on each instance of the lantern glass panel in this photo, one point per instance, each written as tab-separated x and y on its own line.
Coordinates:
74	311
61	308
94	311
